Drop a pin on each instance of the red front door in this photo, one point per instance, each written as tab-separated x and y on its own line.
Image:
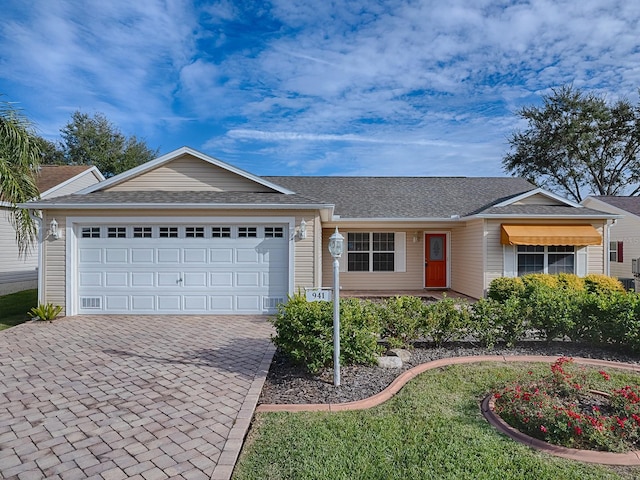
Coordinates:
435	260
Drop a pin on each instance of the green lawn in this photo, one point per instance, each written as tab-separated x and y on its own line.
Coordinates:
14	307
432	429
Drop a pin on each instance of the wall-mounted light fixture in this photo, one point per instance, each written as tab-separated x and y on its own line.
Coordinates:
416	237
53	230
302	231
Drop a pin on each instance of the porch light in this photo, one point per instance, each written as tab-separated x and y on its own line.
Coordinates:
336	245
302	232
53	229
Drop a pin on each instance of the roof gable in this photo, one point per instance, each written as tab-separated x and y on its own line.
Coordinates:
538	196
186	169
620	204
54	177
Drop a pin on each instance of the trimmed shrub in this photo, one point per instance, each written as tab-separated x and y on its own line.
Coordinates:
304	332
446	320
570	281
401	320
493	321
611	318
602	284
551	311
535	280
500	289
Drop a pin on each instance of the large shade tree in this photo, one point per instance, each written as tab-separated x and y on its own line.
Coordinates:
96	141
19	163
577	143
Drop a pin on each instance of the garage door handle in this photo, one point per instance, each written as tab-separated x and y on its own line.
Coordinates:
179	280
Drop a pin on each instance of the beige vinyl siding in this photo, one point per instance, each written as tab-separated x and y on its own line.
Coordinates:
187	173
467	259
626	230
495	254
13	267
86	180
412	279
538	199
54	270
306	260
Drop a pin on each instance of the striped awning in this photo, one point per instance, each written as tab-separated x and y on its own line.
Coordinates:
549	235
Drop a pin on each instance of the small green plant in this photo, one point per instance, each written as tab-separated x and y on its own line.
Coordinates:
500	289
45	312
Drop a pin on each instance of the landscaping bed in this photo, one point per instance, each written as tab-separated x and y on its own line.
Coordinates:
291	383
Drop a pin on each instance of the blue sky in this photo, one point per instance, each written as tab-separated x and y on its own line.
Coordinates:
314	87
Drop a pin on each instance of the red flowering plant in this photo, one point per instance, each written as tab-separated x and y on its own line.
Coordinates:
563	409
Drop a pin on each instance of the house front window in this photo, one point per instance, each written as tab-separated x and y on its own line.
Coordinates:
370	252
615	252
545	259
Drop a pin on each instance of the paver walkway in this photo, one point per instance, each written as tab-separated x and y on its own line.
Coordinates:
141	397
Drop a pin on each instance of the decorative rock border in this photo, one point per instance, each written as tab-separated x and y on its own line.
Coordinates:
621	459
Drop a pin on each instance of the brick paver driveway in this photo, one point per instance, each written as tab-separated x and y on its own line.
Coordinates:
116	397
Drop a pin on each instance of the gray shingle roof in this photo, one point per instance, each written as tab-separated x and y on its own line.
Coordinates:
407	197
630	204
544	210
178	198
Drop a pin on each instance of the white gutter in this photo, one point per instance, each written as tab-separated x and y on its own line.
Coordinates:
542	216
173	206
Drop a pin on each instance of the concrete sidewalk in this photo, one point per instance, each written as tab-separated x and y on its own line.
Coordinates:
142	397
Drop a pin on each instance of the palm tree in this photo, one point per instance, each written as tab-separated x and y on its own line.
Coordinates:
19	163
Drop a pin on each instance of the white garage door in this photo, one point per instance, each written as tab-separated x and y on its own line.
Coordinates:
182	269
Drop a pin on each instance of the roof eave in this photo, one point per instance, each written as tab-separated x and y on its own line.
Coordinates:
171	206
542	215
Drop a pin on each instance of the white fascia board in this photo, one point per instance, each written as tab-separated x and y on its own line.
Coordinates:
538	191
170	206
604	216
338	219
93	170
150	165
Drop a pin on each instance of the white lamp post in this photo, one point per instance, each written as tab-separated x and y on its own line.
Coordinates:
336	247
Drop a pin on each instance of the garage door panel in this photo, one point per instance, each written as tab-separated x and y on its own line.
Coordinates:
143	303
169	255
90	279
195	303
116	279
221	279
221	256
247	255
195	255
169	303
195	279
90	255
247	279
274	277
221	303
117	302
248	303
169	279
142	279
142	256
116	255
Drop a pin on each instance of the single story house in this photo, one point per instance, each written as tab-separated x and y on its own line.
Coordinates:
624	239
19	272
187	233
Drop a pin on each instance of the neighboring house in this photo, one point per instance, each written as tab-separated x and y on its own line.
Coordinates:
186	233
19	272
624	241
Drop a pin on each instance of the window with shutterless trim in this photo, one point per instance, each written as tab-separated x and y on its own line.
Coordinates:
142	232
168	232
247	232
545	259
194	232
273	232
116	232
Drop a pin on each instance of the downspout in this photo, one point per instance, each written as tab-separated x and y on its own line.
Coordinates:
39	223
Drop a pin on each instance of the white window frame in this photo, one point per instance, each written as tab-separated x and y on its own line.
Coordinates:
399	260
